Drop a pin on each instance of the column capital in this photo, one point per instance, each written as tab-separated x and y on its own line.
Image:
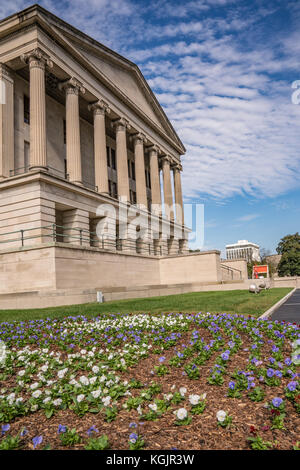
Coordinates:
138	137
166	159
5	73
72	86
176	166
99	107
37	58
121	123
154	148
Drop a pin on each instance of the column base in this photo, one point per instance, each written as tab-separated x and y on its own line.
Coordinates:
38	167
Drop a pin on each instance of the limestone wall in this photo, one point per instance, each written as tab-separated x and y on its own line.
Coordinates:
194	267
29	270
235	268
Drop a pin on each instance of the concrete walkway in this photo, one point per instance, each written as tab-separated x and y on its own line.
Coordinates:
289	311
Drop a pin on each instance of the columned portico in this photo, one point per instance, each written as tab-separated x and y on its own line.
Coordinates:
100	108
37	61
72	88
121	125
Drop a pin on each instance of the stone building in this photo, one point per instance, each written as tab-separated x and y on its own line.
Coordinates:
84	145
243	249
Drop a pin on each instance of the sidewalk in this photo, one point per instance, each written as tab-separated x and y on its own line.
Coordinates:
289	311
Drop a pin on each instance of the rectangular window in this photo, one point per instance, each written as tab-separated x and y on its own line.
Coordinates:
65	131
26	110
66	168
26	155
128	165
107	156
147	176
133	170
113	158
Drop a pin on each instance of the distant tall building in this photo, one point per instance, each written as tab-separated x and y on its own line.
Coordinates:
243	249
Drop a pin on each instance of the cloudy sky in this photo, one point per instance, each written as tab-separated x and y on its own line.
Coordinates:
223	71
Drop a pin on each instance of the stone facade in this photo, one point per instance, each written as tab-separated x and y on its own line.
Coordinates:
65	118
83	143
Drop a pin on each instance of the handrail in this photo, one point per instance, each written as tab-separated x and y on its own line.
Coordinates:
68	234
231	270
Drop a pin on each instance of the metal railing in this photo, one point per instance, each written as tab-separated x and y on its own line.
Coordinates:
232	273
79	236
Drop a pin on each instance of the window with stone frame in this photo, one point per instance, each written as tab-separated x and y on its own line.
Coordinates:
26	109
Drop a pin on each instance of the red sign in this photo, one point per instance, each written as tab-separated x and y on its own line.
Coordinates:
263	269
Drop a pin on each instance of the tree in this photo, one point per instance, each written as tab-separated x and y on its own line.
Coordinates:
289	249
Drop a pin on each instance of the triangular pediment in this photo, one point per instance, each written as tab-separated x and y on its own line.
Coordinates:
126	82
123	74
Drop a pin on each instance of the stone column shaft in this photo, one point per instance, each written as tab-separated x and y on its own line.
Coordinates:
178	194
121	157
6	122
73	151
37	60
155	181
168	197
141	193
101	172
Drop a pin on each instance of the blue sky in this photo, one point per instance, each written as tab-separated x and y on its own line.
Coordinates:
222	70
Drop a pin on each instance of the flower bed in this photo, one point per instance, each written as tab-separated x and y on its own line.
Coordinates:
168	381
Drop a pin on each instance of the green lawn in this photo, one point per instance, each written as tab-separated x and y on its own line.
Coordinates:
236	301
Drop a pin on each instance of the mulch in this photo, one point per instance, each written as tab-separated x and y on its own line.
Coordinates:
162	434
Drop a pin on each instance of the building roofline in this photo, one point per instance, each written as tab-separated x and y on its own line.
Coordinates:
24	15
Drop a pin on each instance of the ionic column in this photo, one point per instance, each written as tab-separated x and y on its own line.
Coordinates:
178	194
168	197
101	174
37	61
121	156
73	152
155	180
6	122
141	193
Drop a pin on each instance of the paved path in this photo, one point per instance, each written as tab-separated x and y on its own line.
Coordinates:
290	310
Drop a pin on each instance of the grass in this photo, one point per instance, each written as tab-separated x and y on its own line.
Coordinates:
236	301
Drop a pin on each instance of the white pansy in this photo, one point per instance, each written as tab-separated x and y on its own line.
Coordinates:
153	406
57	402
106	401
79	398
34	385
96	393
181	413
37	394
84	380
194	399
95	369
182	391
221	416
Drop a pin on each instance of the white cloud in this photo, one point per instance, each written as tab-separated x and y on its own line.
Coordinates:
248	217
226	98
